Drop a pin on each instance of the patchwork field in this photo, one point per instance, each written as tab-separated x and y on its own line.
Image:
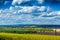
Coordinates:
12	36
27	33
25	30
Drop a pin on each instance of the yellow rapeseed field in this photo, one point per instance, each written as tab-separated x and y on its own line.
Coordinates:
12	36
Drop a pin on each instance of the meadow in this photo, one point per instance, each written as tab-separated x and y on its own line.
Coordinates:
26	33
25	30
12	36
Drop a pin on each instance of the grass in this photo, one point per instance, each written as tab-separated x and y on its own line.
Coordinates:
12	36
25	30
26	33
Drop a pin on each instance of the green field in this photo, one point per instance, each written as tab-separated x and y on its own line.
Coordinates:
26	33
25	30
12	36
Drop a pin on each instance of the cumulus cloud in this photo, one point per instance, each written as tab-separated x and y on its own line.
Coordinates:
54	13
27	9
27	2
18	14
0	11
26	18
28	14
40	1
18	1
21	10
42	8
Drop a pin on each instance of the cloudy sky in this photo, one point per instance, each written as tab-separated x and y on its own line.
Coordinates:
29	12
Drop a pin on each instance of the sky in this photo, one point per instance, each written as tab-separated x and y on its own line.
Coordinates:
39	12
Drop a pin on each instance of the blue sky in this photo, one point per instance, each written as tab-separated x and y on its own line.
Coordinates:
29	12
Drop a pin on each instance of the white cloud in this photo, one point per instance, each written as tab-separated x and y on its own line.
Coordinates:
18	1
42	8
1	15
21	10
27	14
11	8
54	13
47	18
27	9
58	12
24	9
40	1
17	14
49	9
0	11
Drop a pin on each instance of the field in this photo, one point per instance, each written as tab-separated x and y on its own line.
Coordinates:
12	36
25	30
27	33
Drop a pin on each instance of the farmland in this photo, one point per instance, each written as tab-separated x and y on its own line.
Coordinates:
12	36
27	33
25	30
